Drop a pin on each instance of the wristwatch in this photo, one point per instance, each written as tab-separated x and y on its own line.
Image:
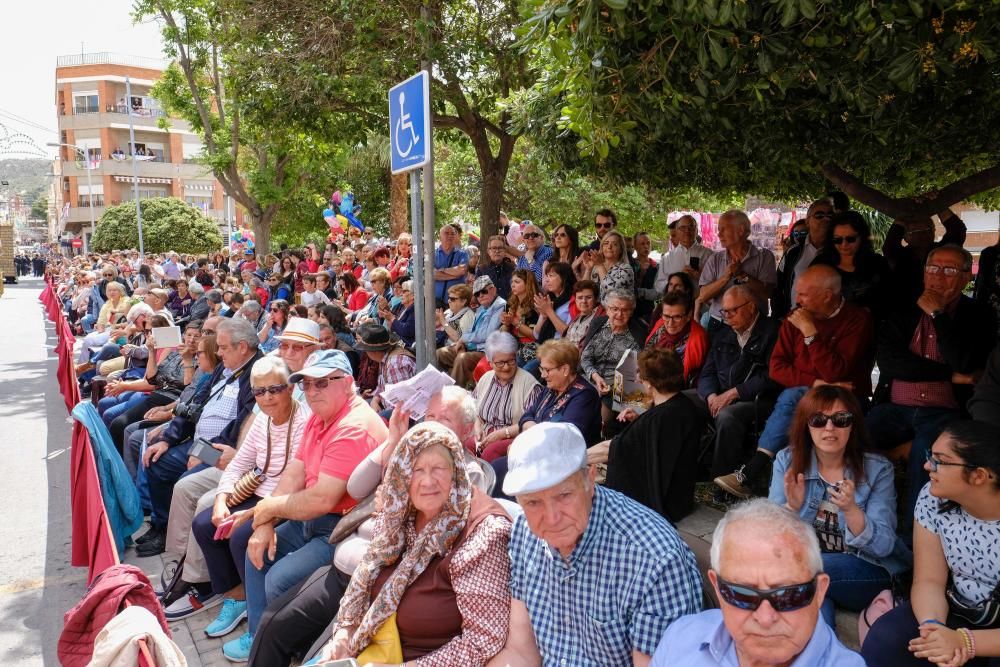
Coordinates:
936	313
808	340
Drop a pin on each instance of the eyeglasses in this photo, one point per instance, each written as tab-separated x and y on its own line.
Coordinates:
273	389
531	235
602	225
842	419
934	269
935	462
319	383
294	347
560	235
823	215
618	310
841	240
504	364
545	370
786	598
729	312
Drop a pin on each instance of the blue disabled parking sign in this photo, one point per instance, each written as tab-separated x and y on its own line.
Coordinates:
410	123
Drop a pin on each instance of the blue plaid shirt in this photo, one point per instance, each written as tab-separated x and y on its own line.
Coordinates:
221	409
628	578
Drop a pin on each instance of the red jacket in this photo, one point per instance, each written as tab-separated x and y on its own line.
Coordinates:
843	351
695	352
108	595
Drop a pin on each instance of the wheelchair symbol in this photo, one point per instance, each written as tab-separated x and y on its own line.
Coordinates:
402	124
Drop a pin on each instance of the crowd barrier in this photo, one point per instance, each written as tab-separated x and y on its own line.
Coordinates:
93	545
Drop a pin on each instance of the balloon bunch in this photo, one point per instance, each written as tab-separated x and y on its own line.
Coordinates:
241	240
342	214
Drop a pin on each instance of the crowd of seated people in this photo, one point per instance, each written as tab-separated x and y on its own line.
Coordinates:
319	499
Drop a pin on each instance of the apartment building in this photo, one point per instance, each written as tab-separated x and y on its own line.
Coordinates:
93	113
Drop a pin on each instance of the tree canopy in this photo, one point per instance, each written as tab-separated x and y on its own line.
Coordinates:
168	223
895	102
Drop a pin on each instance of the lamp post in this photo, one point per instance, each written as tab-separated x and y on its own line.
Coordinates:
90	185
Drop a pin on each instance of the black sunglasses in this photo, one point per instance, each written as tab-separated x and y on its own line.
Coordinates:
531	235
841	240
273	389
482	291
842	419
602	225
786	598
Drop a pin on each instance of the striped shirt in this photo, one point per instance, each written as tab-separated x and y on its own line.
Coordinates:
496	408
629	577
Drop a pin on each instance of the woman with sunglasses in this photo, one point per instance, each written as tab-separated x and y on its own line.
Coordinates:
270	444
864	274
458	317
274	325
828	478
566	249
953	616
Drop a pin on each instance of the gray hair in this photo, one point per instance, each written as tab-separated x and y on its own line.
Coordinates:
618	295
742	291
213	296
252	306
196	288
239	331
966	255
268	365
465	402
739	217
770	521
502	342
407	285
825	276
115	285
136	310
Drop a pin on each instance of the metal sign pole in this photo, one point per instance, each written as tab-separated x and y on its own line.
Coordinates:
428	254
420	304
135	173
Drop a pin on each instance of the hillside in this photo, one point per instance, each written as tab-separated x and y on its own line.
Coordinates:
27	177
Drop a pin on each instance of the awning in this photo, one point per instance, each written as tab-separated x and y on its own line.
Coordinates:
142	179
199	186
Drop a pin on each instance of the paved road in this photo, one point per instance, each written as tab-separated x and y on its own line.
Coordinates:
37	583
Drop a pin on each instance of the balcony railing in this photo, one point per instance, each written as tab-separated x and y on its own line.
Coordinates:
143	112
83	201
107	58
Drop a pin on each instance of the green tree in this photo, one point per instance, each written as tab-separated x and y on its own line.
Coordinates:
262	161
168	223
338	57
894	102
40	209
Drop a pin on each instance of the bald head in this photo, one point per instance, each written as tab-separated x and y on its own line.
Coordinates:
818	291
824	277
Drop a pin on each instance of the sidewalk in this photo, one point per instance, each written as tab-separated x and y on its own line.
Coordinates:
37	583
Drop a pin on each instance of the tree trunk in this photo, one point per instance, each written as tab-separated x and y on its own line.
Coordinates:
260	222
494	173
489	207
399	205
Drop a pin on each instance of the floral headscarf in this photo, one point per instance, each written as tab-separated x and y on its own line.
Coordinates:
357	609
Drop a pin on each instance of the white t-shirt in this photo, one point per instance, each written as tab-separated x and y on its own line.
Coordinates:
969	544
314	299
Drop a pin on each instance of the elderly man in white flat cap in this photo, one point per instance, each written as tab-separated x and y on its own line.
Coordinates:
596	577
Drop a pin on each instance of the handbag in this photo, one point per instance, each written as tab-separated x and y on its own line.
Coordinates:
251	480
385	646
985	615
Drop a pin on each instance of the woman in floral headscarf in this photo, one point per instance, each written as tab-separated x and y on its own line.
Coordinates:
437	565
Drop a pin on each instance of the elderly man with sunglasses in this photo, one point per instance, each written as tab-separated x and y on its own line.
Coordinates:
767	572
536	253
461	358
930	354
799	257
312	494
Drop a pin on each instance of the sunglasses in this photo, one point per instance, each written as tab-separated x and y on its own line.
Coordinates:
531	235
949	271
842	419
602	225
273	389
786	598
841	240
559	235
319	383
935	462
482	292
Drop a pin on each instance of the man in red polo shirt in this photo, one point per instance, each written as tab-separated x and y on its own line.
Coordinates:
312	494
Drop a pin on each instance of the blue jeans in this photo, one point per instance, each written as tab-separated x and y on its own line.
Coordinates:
108	351
774	437
890	425
854	583
162	475
110	407
303	547
87	322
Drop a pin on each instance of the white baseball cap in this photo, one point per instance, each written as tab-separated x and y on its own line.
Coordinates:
543	456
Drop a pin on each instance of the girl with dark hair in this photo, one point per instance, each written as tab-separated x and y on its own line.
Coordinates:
828	478
953	616
864	274
654	460
354	298
566	249
520	317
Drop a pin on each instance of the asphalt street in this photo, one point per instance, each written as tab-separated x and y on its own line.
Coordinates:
37	583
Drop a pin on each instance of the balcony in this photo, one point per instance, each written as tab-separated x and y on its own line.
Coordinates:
150	169
107	58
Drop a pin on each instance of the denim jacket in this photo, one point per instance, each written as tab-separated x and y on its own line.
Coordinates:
876	496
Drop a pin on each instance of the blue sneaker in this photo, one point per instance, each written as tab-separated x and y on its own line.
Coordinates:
232	612
238	650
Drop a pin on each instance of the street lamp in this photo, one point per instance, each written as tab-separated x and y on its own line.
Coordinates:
90	185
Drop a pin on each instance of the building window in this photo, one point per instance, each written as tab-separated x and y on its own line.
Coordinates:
83	201
85	103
